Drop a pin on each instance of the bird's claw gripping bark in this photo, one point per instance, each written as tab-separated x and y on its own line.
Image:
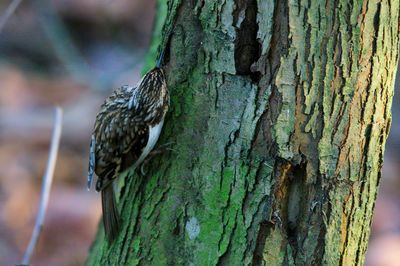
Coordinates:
160	150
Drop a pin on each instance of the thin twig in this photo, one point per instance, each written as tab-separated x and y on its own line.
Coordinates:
47	180
8	13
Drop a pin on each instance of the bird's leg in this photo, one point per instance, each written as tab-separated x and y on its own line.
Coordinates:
160	150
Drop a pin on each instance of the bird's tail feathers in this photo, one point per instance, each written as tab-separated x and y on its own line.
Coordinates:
111	219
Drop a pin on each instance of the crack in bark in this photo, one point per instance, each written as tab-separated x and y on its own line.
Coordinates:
258	257
249	193
161	198
278	47
345	231
260	214
376	28
222	259
254	242
247	48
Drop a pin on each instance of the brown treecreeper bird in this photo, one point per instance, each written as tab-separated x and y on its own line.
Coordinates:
126	130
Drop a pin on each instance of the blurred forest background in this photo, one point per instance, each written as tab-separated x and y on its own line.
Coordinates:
72	53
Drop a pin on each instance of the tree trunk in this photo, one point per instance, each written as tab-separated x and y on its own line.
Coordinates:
279	116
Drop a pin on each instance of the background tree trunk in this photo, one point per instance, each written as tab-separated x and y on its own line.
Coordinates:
279	115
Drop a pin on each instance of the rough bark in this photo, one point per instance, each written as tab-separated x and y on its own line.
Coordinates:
279	116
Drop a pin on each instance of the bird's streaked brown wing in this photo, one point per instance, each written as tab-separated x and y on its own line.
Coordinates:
119	137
